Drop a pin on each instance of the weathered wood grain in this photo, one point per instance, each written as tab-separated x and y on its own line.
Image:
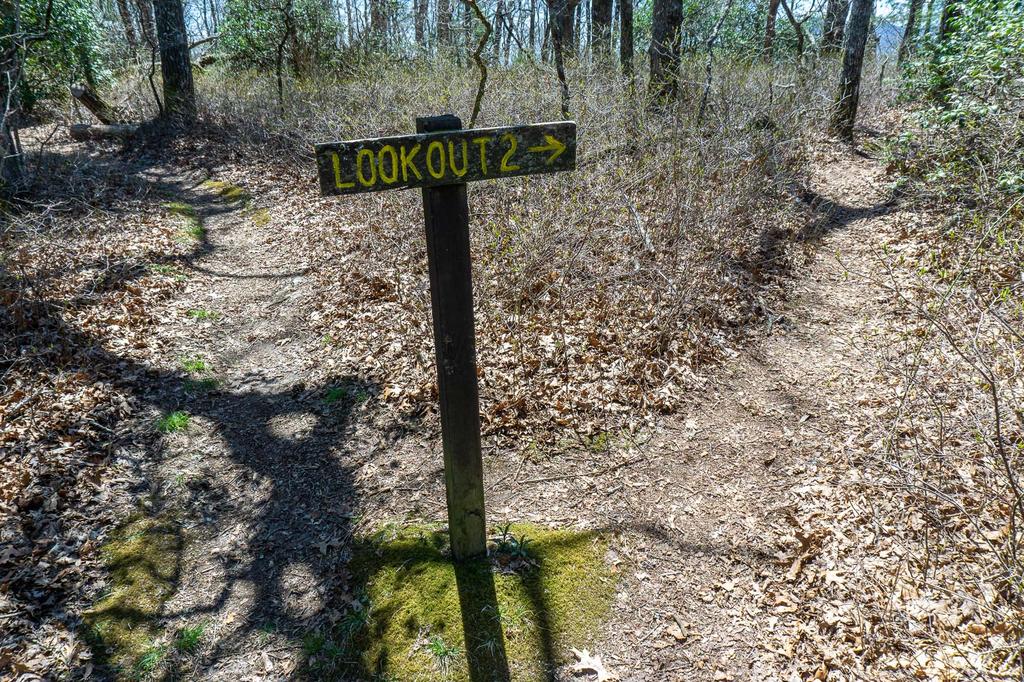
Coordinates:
446	213
432	159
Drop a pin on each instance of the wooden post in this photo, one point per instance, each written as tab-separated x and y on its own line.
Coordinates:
441	158
446	214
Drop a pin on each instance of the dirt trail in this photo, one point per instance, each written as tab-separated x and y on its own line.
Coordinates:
263	470
271	474
718	484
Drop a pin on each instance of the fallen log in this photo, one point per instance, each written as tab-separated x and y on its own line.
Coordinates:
81	132
94	103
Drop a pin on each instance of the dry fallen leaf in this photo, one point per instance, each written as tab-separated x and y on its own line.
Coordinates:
593	664
677	632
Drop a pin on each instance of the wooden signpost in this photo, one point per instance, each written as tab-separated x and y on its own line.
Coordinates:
441	158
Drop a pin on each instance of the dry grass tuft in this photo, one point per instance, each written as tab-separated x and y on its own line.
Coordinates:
601	294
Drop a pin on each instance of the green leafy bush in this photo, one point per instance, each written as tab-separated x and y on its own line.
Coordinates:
971	86
254	30
70	50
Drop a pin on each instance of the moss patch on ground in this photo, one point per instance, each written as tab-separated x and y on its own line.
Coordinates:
227	190
261	217
181	208
142	557
522	609
191	222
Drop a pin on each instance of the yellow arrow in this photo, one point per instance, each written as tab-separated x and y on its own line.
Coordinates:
552	145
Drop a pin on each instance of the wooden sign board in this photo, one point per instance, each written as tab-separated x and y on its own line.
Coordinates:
445	158
441	159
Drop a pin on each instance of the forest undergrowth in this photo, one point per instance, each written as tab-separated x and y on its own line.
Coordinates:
953	450
602	297
602	294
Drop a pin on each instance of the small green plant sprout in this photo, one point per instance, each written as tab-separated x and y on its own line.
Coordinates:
151	658
164	269
511	554
194	365
445	655
204	385
189	638
193	229
599	442
175	421
202	314
260	217
181	208
265	632
313	643
354	620
515	618
335	394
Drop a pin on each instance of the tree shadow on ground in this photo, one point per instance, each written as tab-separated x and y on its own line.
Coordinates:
832	216
286	514
279	529
290	533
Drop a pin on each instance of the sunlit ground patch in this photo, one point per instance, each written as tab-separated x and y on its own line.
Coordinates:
540	593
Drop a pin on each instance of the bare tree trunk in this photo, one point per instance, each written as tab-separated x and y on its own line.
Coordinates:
585	19
576	29
665	45
835	25
533	27
769	29
12	169
545	43
378	23
128	24
83	131
444	25
560	13
848	98
420	22
175	62
626	37
907	44
103	112
798	28
469	45
928	19
359	14
601	28
511	17
145	8
612	45
287	34
499	25
561	16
